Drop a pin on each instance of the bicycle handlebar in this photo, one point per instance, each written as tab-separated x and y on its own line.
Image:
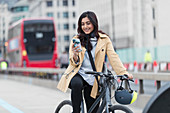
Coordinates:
94	72
122	77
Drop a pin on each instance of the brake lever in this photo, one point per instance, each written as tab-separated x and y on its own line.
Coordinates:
132	80
125	77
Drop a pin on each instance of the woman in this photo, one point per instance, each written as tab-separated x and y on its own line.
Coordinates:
99	44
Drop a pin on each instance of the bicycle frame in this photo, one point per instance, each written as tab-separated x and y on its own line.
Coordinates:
105	96
106	81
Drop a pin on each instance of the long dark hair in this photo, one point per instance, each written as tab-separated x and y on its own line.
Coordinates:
81	35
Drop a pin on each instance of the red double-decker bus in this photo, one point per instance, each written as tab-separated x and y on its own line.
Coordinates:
32	43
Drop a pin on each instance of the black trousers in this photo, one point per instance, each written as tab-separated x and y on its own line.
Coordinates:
64	65
78	84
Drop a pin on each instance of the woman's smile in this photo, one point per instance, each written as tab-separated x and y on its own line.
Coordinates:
87	26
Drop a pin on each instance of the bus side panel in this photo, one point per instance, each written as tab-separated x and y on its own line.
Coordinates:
14	46
55	54
24	59
45	64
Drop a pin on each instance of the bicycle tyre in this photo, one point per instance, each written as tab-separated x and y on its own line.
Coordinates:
62	104
114	108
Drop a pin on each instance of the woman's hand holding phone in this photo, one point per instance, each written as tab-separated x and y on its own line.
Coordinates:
76	48
77	45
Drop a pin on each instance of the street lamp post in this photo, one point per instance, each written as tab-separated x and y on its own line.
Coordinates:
113	23
3	49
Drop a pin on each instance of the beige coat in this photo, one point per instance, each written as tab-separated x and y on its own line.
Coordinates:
104	46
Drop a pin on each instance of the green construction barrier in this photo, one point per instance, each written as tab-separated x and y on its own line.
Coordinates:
160	54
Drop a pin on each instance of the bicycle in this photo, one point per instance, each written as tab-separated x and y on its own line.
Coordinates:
105	83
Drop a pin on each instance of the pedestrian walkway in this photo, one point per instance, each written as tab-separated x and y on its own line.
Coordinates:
27	98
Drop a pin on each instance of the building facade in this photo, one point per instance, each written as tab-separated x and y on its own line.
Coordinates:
133	23
4	20
129	23
4	14
19	10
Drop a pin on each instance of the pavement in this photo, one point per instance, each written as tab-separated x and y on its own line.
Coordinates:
19	97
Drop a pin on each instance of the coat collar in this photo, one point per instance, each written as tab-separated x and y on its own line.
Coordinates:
100	42
102	35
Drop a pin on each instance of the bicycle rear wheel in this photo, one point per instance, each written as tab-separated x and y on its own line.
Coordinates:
119	109
64	107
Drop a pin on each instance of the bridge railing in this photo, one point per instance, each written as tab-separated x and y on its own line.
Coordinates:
158	77
37	70
141	76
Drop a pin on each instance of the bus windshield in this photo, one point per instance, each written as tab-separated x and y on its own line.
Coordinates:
39	39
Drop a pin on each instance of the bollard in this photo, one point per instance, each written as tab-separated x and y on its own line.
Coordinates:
136	81
155	69
135	70
155	66
135	67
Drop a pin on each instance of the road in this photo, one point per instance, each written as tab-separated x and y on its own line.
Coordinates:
25	98
149	86
19	97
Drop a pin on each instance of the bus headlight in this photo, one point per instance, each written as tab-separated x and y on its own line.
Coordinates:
24	53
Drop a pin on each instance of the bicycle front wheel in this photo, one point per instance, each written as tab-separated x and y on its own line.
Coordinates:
119	109
64	107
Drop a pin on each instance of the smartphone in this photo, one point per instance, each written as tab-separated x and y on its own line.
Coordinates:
76	43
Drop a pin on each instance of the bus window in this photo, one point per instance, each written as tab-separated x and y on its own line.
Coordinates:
42	33
13	44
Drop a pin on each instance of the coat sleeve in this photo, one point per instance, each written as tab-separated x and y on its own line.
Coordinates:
114	59
71	60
